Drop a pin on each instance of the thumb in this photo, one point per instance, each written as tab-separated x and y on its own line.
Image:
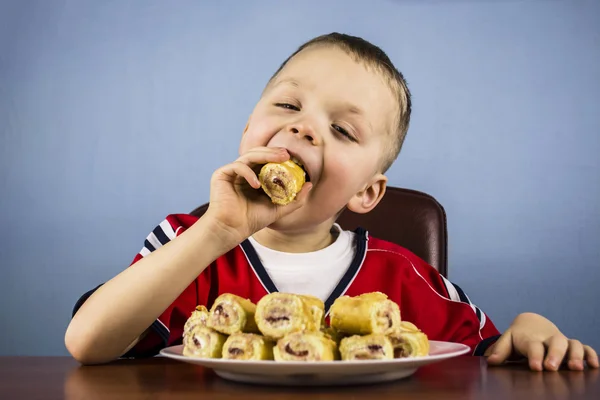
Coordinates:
298	202
500	351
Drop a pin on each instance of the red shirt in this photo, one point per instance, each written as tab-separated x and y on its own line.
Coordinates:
427	299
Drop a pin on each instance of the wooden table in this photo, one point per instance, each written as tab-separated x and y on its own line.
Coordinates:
160	378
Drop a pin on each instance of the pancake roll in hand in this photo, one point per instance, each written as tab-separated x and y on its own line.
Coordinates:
282	181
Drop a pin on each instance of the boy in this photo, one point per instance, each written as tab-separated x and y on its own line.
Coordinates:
340	107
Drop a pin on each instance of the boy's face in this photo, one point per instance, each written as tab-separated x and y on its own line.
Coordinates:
335	116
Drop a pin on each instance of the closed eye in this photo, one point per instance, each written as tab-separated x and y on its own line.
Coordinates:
343	132
287	106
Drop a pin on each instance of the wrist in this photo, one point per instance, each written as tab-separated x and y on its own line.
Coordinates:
217	235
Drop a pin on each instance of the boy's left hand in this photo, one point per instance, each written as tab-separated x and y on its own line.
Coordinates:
536	338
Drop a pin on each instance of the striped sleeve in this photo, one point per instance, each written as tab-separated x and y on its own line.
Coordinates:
455	293
487	330
161	235
442	308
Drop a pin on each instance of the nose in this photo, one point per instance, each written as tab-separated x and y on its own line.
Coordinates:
303	130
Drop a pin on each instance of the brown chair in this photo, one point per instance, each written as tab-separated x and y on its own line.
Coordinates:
412	219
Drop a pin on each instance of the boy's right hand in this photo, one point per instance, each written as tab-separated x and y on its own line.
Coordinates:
237	204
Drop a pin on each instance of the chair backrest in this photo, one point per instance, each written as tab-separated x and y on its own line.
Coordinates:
412	219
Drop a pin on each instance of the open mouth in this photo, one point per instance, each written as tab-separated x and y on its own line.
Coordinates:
299	163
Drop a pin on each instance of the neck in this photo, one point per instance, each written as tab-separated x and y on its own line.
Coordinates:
297	241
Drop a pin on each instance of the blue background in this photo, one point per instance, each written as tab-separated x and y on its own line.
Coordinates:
114	114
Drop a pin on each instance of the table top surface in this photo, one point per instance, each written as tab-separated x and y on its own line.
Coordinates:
459	378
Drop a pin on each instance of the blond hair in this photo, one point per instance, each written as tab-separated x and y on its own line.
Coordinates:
372	56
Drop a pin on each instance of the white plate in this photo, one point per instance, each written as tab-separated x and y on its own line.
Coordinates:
322	372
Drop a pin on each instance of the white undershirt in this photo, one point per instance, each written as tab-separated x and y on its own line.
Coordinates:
316	273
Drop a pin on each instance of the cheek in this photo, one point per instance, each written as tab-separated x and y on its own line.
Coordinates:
344	173
351	171
339	167
258	134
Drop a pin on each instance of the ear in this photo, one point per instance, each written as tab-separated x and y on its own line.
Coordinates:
366	200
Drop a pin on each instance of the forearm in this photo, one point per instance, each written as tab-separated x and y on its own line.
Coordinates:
121	309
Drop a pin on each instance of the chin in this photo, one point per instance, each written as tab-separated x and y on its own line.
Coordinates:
300	220
292	222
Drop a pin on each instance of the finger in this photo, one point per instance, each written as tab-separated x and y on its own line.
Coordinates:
591	357
557	349
263	149
238	168
303	193
264	155
535	353
575	355
298	202
500	351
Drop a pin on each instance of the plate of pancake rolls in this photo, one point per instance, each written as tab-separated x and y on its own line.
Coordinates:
284	340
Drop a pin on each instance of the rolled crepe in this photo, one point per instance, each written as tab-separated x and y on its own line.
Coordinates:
334	335
231	314
203	342
247	346
365	314
409	341
305	346
316	307
282	181
369	347
199	317
278	314
406	326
